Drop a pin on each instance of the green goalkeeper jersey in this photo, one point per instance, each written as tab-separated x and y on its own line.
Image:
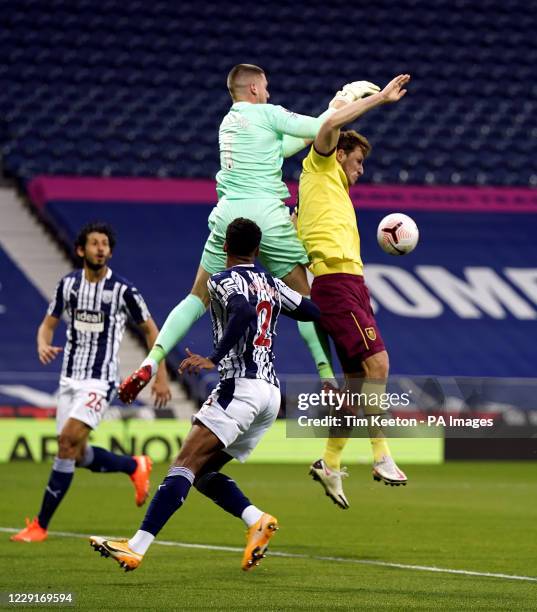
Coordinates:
254	140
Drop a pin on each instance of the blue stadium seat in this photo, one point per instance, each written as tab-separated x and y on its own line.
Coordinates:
23	308
140	68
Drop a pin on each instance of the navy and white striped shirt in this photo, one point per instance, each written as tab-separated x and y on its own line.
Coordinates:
97	315
252	356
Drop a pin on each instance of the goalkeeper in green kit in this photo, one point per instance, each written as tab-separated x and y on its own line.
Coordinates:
254	139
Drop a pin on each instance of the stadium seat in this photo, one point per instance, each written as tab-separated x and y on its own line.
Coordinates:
137	70
23	308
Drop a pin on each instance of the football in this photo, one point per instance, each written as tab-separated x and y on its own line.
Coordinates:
397	234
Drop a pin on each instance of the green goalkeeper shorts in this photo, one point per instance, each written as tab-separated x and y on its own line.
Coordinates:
280	250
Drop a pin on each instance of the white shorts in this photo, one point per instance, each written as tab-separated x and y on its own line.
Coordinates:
84	400
239	411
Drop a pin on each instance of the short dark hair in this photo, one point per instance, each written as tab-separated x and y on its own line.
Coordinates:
238	74
243	236
95	226
350	139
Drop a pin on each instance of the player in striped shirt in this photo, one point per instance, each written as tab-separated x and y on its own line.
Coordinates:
255	137
245	304
96	303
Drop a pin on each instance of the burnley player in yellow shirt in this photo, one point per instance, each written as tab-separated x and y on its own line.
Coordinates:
327	227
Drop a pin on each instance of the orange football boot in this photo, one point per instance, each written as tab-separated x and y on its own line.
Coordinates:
257	540
118	550
140	478
33	532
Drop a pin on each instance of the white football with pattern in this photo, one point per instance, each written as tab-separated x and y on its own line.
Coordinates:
397	234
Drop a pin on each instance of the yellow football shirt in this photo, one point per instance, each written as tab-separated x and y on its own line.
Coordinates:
326	217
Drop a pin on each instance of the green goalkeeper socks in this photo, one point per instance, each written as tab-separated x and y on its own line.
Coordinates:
176	326
156	355
317	342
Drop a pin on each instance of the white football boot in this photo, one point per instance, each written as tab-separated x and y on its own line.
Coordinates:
330	481
387	470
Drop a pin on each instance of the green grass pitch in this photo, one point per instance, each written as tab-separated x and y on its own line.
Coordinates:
477	517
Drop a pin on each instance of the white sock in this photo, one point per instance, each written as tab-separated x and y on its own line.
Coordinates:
250	515
141	541
150	362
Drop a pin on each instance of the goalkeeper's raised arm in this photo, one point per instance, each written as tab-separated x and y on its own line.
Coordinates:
348	93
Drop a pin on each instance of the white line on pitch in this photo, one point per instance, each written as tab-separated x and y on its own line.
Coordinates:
418	568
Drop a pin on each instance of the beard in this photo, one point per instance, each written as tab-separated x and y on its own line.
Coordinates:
96	267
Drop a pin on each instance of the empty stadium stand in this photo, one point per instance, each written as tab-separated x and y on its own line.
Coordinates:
21	310
117	88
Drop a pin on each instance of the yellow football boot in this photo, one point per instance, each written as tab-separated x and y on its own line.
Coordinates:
257	539
118	550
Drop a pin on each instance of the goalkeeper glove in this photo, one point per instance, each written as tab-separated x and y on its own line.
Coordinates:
354	91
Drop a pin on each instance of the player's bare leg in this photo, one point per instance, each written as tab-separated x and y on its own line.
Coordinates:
73	439
298	280
177	324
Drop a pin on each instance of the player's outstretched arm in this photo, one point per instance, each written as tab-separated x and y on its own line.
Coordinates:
352	92
305	311
292	145
160	389
326	139
45	333
295	306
